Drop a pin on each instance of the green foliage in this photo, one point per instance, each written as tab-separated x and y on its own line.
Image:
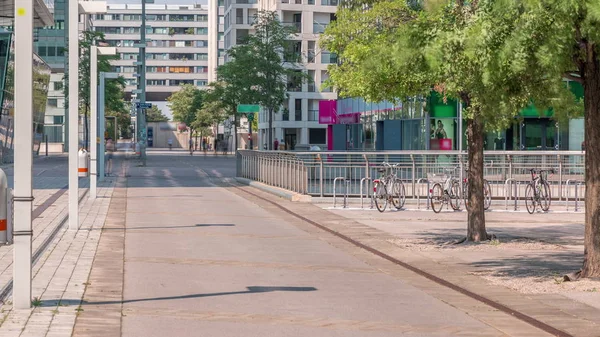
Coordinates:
154	114
185	104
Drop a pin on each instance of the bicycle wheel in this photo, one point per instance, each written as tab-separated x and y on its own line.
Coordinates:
530	198
545	197
398	194
437	198
455	198
487	195
380	196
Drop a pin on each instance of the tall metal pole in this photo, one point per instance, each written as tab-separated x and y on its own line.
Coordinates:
23	197
73	113
141	114
93	120
102	100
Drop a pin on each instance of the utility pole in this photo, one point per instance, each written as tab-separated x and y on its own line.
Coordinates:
141	110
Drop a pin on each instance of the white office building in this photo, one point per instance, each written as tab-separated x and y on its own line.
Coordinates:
177	50
299	123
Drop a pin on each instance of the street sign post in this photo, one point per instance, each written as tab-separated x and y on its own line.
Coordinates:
249	110
143	105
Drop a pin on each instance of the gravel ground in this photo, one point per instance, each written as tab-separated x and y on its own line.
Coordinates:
535	278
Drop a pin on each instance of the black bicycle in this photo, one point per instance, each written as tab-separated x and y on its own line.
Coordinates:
537	191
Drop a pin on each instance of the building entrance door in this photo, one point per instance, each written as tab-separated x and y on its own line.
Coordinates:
538	134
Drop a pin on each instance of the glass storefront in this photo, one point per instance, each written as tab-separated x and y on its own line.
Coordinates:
432	124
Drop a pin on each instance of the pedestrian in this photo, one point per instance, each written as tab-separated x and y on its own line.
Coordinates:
109	148
204	146
191	145
170	142
276	143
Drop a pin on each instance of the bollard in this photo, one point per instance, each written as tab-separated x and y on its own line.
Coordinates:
334	189
576	195
83	163
10	216
3	207
516	193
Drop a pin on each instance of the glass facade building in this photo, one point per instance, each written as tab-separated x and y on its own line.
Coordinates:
41	79
432	123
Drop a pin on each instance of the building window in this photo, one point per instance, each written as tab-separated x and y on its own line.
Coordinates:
175	17
156	17
201	56
201	69
58	86
58	120
202	31
42	50
202	43
176	83
129	56
317	136
130	30
202	18
298	109
128	43
132	17
184	70
201	83
181	57
52	102
157	69
156	82
221	35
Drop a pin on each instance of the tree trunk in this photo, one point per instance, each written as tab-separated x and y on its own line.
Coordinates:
270	137
591	89
475	211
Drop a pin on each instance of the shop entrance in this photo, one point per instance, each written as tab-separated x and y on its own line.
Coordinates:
538	134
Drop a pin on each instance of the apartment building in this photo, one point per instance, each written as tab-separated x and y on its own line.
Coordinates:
177	45
298	122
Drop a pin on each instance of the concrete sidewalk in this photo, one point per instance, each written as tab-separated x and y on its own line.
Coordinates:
187	255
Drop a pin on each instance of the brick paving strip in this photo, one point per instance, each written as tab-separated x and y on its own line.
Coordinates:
567	315
61	272
105	282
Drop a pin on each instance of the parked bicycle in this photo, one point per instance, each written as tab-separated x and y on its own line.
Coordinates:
448	193
388	188
487	191
537	191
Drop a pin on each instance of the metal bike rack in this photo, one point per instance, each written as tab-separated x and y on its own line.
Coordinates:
510	182
346	194
576	183
334	189
420	183
362	181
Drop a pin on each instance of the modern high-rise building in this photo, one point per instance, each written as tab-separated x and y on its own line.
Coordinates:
177	50
298	122
50	45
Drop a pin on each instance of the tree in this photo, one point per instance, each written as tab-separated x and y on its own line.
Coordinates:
185	104
154	114
114	87
396	49
554	40
257	70
211	113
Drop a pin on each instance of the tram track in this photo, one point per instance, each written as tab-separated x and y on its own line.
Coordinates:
6	291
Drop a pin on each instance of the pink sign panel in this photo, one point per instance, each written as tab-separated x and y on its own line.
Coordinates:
441	144
327	112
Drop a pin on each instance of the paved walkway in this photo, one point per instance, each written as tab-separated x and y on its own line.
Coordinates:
62	258
202	259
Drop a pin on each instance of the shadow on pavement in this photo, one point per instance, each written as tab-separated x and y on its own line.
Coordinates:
251	290
533	265
559	234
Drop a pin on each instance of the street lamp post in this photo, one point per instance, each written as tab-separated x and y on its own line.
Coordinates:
23	197
73	113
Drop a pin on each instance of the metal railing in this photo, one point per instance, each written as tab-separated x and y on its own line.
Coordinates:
508	172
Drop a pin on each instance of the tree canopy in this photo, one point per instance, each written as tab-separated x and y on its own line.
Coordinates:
154	114
185	104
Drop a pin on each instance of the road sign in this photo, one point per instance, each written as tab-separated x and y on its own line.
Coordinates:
250	117
143	105
248	108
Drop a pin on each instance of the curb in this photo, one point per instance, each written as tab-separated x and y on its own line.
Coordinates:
284	194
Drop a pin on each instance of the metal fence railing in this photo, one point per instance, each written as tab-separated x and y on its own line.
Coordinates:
313	173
